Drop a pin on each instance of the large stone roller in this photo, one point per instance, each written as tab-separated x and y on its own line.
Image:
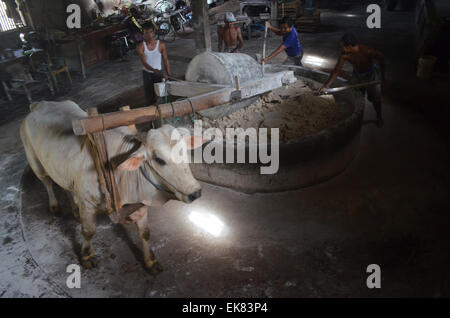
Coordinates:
222	68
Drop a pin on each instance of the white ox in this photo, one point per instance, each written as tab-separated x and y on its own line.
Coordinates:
56	155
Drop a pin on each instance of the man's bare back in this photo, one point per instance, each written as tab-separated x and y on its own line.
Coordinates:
363	59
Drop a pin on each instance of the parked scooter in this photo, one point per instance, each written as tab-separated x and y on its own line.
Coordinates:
181	17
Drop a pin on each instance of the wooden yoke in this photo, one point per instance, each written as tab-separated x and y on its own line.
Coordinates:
105	172
104	169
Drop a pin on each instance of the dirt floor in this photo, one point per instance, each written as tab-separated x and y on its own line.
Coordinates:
389	207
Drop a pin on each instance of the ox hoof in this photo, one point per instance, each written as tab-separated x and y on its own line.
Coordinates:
90	262
154	269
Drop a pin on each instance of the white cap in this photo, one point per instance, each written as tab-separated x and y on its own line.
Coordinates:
229	17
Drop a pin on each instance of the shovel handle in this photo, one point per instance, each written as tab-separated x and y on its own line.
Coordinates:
339	89
264	49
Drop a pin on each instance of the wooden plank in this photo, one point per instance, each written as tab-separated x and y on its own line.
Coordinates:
184	89
266	84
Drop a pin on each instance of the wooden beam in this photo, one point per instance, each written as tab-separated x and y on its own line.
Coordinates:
83	126
185	89
200	23
190	89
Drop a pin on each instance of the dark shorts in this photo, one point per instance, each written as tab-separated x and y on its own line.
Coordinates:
294	60
149	80
230	49
374	91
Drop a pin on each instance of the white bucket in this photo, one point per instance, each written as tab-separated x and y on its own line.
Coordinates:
426	66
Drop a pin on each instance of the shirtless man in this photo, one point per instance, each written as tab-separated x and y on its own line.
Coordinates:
231	35
364	70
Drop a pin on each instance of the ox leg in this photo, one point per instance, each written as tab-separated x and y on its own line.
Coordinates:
144	233
40	172
53	203
75	211
87	218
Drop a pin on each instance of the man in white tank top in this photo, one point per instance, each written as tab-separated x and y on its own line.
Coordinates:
151	52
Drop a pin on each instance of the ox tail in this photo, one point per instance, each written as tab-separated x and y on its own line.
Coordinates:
33	106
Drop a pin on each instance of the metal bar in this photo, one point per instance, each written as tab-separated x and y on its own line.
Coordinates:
307	69
340	89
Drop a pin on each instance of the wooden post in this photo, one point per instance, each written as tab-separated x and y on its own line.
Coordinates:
132	127
6	89
81	56
92	111
200	23
274	13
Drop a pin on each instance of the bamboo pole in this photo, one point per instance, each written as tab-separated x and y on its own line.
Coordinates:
91	124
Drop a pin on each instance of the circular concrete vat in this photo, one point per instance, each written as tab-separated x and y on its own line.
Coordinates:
308	161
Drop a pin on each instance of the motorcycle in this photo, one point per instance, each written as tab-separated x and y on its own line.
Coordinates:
163	27
181	17
169	23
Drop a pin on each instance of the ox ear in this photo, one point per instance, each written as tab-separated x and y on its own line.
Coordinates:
193	142
134	161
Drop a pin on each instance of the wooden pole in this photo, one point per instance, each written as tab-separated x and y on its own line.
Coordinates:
200	23
132	127
83	126
264	49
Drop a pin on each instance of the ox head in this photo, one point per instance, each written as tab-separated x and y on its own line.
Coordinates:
164	153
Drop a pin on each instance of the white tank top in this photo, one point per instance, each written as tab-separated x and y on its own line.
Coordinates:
153	58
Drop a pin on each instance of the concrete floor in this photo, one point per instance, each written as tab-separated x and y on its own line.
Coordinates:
389	207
